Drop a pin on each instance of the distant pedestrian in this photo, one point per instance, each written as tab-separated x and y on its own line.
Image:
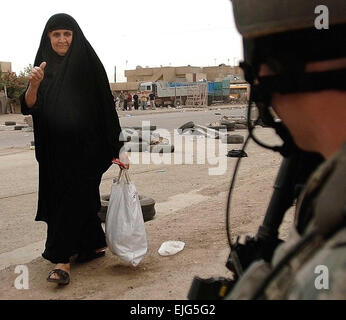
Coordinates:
135	101
121	100
125	101
144	100
152	101
129	101
116	99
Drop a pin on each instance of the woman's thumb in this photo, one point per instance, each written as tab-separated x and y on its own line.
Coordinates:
43	65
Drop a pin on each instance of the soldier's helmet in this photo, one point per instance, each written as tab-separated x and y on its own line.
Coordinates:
286	35
256	18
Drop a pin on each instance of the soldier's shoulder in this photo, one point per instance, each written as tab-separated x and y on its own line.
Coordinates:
324	275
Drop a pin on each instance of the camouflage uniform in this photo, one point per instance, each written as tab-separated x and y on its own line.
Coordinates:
322	258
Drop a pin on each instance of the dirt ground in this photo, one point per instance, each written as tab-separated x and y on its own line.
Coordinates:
190	207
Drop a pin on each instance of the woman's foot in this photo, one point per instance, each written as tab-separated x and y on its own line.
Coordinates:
60	274
101	250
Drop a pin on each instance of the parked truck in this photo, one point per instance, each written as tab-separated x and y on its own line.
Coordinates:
173	93
218	91
182	93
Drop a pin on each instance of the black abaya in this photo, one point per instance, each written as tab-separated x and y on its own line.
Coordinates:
76	131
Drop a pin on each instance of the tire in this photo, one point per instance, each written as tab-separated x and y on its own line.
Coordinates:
177	103
229	125
187	125
232	139
240	126
241	121
151	128
147	205
222	127
10	123
145	138
136	146
126	134
162	148
18	127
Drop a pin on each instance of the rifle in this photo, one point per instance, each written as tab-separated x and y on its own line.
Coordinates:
291	178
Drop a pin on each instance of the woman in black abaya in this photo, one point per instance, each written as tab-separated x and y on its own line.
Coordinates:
76	131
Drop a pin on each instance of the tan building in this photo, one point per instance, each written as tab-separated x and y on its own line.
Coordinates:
218	73
169	74
181	74
176	74
5	66
131	87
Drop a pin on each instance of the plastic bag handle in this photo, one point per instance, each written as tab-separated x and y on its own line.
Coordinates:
124	172
119	163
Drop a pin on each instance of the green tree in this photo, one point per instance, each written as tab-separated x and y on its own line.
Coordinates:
15	85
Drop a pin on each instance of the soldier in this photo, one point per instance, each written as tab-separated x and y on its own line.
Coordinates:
295	61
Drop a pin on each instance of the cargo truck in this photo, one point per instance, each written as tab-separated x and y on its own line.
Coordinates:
170	93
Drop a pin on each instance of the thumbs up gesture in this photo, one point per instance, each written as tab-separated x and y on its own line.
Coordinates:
37	74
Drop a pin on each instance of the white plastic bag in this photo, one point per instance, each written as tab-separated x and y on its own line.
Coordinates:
125	230
170	248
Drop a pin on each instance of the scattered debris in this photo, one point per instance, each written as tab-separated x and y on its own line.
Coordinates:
162	148
169	248
28	120
136	146
186	125
137	140
159	140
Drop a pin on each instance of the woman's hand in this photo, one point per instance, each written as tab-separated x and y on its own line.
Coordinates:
37	75
124	159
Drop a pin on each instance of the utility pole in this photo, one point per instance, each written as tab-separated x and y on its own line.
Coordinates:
115	74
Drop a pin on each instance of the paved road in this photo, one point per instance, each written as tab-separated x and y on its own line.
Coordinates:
174	120
168	121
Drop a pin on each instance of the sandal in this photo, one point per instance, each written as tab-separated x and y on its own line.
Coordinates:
85	257
64	277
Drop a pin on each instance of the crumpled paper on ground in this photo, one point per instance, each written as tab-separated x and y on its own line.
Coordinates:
169	248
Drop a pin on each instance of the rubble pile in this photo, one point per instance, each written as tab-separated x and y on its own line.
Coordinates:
138	139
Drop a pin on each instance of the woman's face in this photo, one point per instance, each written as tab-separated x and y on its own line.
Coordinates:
60	40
